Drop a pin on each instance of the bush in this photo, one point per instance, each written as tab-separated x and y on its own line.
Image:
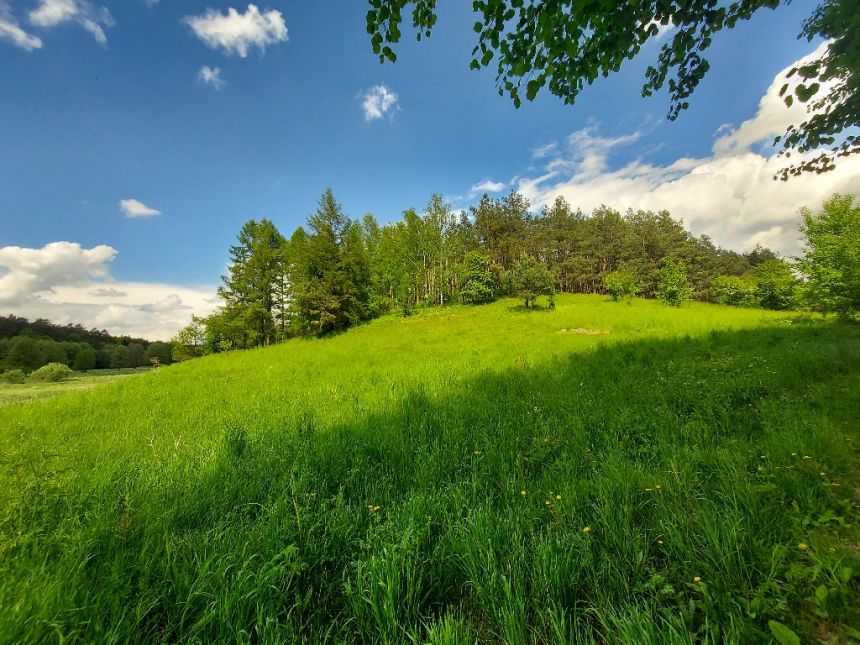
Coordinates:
13	376
735	290
674	286
621	284
52	372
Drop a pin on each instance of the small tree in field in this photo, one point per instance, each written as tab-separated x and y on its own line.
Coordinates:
622	284
530	280
477	281
776	285
674	285
831	258
189	342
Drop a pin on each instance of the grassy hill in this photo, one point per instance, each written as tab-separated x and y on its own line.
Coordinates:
603	471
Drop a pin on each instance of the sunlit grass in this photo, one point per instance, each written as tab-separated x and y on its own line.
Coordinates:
598	472
36	390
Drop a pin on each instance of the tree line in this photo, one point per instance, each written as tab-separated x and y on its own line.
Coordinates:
336	271
28	345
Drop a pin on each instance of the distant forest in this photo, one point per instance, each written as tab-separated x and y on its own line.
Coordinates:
27	345
337	272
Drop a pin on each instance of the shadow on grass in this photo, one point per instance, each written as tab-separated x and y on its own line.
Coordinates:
640	491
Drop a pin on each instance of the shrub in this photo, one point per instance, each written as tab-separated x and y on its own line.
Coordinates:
13	376
621	284
51	372
674	285
776	285
735	290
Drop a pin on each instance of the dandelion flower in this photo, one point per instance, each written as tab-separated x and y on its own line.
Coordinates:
823	474
803	546
697	579
477	452
547	502
558	496
658	487
586	529
523	493
659	541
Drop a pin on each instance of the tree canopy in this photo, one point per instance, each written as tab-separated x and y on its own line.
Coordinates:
564	45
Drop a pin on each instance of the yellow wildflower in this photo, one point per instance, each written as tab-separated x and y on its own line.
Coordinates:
558	496
803	546
697	579
523	493
586	529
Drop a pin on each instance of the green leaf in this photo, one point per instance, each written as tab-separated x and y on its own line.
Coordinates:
782	633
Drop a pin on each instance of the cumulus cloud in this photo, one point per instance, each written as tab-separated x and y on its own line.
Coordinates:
487	186
772	117
67	283
729	195
35	271
135	208
378	101
211	76
51	13
11	31
236	33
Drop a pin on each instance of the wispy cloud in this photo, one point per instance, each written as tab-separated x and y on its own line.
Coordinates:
51	13
11	31
211	76
237	33
135	208
378	101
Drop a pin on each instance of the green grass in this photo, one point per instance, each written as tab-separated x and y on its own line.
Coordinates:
368	487
35	391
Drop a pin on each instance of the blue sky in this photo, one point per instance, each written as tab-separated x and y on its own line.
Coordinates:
85	125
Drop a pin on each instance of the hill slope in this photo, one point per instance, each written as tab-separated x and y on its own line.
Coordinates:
598	471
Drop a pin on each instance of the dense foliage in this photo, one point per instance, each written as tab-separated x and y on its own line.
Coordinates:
831	260
565	45
28	345
337	271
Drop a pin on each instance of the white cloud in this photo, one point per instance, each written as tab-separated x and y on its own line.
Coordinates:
235	32
135	208
50	13
211	76
545	150
35	271
729	195
772	117
487	186
11	31
67	283
377	101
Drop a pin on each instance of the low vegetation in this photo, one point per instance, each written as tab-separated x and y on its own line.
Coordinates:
599	472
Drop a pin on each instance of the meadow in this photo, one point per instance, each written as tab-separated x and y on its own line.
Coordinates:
34	390
600	472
